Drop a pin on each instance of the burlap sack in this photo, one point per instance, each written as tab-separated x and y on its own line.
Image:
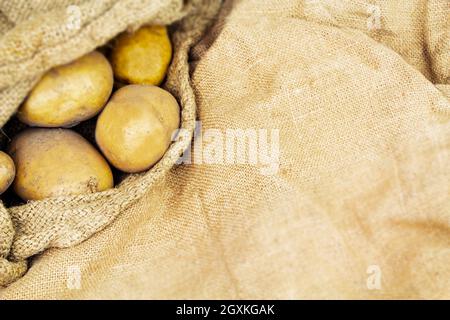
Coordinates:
359	206
39	35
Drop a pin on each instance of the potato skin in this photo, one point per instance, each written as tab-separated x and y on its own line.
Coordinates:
57	162
135	128
142	57
69	93
7	171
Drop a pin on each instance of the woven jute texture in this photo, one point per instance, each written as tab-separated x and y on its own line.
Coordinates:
39	35
357	205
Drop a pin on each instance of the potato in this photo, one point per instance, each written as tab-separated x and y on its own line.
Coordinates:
142	57
57	162
70	93
136	126
7	171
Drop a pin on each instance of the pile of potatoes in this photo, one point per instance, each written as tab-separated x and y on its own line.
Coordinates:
133	129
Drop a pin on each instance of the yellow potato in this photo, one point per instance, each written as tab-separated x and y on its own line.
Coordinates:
70	93
57	162
142	57
7	171
136	126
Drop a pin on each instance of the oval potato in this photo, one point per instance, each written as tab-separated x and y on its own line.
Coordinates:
135	128
69	93
142	57
7	171
57	162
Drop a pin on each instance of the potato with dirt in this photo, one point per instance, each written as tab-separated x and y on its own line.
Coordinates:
69	94
135	128
57	162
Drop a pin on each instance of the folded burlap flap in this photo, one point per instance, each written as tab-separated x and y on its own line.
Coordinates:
39	35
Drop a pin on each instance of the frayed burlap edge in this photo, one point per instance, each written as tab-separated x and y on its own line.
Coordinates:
65	221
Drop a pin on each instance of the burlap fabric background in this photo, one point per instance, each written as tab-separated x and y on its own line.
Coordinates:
363	177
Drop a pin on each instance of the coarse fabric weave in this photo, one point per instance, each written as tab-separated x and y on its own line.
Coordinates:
355	97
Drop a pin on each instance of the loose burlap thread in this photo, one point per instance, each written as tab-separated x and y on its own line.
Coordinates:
34	40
